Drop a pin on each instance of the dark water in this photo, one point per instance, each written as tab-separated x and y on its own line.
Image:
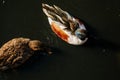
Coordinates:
98	59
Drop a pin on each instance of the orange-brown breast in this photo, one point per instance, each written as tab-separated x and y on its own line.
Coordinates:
59	32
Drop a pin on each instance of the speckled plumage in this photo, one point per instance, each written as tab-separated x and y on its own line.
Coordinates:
16	51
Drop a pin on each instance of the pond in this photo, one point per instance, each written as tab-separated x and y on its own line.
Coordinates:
98	59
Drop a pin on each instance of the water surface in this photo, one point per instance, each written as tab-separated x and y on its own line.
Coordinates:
98	59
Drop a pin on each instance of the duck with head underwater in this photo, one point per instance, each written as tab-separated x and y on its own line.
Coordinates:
65	26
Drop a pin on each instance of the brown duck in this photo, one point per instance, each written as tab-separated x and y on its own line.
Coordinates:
18	50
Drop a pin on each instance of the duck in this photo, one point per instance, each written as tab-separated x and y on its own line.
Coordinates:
65	26
17	51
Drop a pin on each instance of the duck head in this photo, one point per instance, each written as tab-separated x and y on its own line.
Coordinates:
81	33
